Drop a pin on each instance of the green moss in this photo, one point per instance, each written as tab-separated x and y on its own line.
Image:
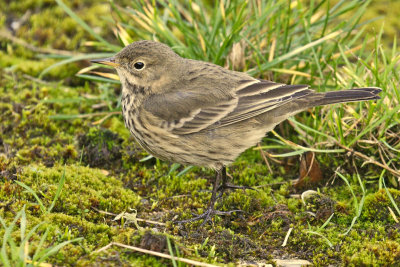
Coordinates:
384	12
33	67
381	253
75	214
36	147
84	189
48	25
116	124
100	148
376	206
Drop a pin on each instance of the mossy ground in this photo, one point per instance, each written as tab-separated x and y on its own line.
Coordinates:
103	173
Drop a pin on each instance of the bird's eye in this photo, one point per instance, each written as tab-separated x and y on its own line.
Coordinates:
139	65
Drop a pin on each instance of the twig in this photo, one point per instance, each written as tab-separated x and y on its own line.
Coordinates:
368	159
154	253
106	117
311	164
387	153
89	115
26	76
354	125
264	157
271	157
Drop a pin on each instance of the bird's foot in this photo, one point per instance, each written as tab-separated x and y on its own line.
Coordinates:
211	212
207	216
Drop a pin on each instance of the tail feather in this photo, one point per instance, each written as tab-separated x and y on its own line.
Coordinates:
319	99
352	95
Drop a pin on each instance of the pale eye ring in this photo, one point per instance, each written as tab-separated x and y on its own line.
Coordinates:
139	65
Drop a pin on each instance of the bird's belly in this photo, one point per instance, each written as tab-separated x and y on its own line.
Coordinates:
209	148
184	150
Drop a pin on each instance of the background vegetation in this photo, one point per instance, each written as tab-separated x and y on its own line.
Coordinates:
73	181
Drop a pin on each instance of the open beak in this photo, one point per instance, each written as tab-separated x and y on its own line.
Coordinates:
110	61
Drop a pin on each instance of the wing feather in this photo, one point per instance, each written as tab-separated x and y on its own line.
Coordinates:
206	117
271	96
251	98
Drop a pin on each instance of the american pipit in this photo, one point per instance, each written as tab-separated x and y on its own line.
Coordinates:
197	113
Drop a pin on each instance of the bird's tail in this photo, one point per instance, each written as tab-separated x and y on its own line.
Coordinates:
352	95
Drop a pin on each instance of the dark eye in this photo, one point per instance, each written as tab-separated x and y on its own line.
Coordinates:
139	65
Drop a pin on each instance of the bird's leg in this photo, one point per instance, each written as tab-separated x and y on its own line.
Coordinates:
225	185
210	212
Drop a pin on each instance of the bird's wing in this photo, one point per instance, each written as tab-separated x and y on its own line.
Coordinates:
261	97
189	112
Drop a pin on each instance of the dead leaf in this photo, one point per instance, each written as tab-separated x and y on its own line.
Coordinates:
310	172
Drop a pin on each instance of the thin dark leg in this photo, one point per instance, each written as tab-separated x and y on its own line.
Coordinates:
210	212
225	185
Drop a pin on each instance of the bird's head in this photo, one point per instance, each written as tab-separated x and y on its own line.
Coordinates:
144	63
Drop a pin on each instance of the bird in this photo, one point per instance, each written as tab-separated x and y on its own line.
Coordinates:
197	113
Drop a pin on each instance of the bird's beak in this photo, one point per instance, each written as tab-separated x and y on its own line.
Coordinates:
110	61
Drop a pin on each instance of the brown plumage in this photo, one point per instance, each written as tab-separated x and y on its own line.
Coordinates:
198	113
